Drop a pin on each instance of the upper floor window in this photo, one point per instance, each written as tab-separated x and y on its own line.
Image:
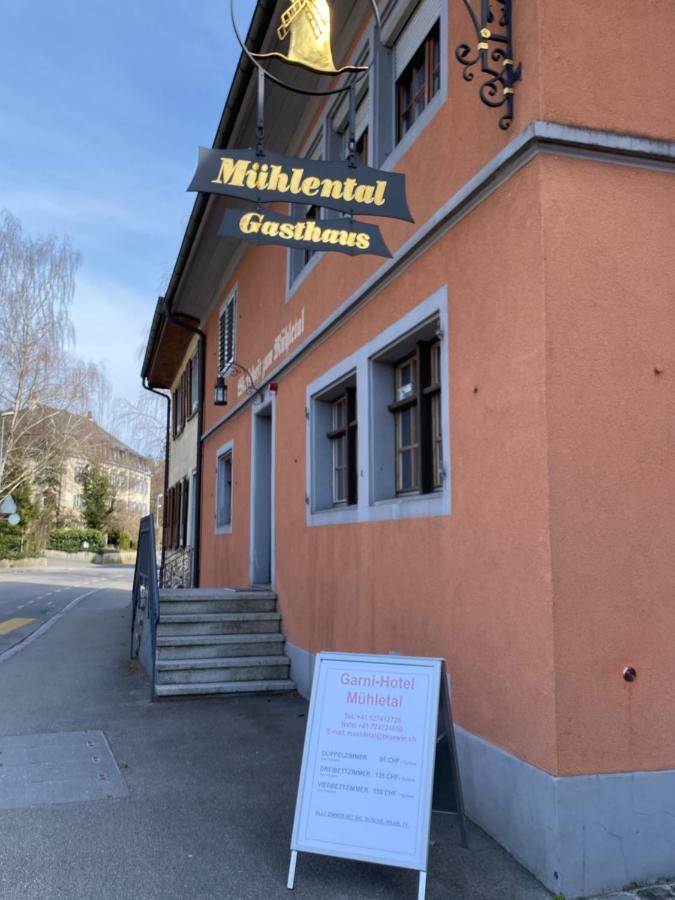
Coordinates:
194	384
418	83
343	448
418	444
227	333
186	396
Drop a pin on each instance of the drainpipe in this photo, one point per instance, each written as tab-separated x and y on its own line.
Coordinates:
167	447
200	428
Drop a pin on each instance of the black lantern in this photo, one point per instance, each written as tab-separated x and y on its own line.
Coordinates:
220	392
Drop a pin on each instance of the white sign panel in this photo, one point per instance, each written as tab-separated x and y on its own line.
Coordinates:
368	763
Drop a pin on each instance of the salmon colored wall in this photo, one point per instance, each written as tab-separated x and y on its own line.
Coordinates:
486	606
605	64
610	307
224	558
534	352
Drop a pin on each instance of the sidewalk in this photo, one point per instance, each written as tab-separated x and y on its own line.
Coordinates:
210	791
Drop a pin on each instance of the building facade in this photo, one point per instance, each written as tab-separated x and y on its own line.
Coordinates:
128	471
466	451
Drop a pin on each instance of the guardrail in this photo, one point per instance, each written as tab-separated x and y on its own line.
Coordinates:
177	569
145	601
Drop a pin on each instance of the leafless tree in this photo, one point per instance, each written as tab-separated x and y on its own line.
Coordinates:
43	385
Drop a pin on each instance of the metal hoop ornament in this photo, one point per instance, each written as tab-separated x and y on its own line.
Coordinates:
290	87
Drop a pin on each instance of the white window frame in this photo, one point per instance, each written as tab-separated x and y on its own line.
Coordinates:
376	501
223	453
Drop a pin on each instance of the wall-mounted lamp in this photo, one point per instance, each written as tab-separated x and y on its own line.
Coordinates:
220	392
494	51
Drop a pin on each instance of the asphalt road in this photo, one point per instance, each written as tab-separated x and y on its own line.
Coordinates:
30	597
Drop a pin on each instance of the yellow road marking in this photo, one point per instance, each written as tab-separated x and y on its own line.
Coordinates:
13	624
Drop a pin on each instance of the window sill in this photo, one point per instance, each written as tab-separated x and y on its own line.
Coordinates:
413	506
418	126
223	529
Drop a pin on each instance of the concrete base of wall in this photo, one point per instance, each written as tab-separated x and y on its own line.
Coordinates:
580	835
80	556
32	562
114	556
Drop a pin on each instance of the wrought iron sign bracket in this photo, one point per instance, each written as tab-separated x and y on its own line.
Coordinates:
251	389
260	115
494	51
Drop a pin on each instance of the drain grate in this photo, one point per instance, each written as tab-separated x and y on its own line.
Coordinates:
44	769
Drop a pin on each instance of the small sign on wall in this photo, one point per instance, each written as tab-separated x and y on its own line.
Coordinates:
379	738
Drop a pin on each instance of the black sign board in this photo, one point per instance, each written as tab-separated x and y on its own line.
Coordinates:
260	226
334	184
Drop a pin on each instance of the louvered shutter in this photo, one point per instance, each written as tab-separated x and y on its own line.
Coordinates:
418	27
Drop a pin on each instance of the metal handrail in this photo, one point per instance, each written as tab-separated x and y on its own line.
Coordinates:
177	569
145	597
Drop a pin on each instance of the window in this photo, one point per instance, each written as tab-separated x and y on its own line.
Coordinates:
194	384
344	448
418	83
224	489
407	432
387	455
334	438
227	333
417	416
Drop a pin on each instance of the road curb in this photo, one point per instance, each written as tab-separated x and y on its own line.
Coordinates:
8	654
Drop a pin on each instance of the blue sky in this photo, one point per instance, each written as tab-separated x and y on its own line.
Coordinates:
102	109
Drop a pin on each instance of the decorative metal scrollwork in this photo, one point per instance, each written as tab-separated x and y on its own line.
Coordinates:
494	51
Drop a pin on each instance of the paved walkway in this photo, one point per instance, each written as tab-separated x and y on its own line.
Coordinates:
204	807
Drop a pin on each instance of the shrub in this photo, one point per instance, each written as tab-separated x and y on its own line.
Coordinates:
125	541
11	542
71	539
114	537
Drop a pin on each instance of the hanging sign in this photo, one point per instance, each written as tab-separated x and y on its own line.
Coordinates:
334	184
264	227
379	737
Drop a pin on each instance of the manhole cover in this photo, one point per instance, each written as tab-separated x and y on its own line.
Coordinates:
42	769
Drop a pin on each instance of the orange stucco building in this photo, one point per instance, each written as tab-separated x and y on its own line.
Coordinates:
468	450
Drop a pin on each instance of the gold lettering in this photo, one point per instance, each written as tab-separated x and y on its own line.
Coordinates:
296	180
310	186
362	240
351	240
252	176
286	230
348	189
330	236
270	228
231	172
331	188
364	193
278	180
380	188
250	222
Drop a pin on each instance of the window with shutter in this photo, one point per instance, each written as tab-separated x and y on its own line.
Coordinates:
227	333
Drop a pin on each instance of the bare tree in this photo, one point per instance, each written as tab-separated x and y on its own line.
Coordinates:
43	386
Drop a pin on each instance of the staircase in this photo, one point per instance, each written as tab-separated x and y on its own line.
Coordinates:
220	642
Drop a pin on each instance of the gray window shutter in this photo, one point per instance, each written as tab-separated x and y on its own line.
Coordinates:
418	27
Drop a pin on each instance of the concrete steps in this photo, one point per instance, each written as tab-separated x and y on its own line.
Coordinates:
232	687
219	645
219	642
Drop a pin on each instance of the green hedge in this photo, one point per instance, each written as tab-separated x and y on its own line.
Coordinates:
11	539
70	539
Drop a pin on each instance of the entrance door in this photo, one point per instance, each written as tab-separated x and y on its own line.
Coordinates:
261	496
